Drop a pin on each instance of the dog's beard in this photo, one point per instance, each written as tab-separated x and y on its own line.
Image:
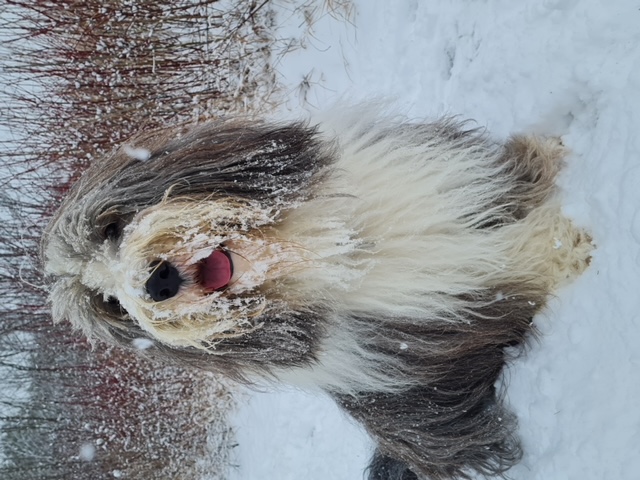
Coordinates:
185	234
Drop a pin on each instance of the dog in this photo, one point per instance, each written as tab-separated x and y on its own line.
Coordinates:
396	265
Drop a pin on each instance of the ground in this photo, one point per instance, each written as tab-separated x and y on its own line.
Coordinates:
568	68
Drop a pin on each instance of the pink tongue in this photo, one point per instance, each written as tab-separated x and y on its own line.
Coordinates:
216	271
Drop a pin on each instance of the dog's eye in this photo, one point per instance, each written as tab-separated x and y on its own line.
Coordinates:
109	308
112	231
110	225
112	305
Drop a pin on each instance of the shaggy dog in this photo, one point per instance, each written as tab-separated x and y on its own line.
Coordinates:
392	264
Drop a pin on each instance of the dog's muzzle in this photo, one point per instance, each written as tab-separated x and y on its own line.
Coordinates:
164	282
214	273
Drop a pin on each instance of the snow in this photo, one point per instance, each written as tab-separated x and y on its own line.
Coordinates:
569	68
289	434
142	343
140	154
87	452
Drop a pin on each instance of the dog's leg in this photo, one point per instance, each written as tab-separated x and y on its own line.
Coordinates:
544	241
533	163
383	467
453	420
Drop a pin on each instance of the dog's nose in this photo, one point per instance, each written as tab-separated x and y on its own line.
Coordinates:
164	281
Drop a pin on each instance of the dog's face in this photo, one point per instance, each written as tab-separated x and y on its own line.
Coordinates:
173	237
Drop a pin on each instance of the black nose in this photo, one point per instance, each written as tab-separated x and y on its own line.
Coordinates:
164	281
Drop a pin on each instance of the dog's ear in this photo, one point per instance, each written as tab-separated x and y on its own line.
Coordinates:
270	164
256	161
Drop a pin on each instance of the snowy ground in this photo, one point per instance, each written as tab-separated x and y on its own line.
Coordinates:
563	67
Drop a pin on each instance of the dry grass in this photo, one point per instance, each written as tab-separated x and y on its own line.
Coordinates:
78	77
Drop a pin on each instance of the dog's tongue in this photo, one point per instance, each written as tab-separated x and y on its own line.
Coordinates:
216	271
